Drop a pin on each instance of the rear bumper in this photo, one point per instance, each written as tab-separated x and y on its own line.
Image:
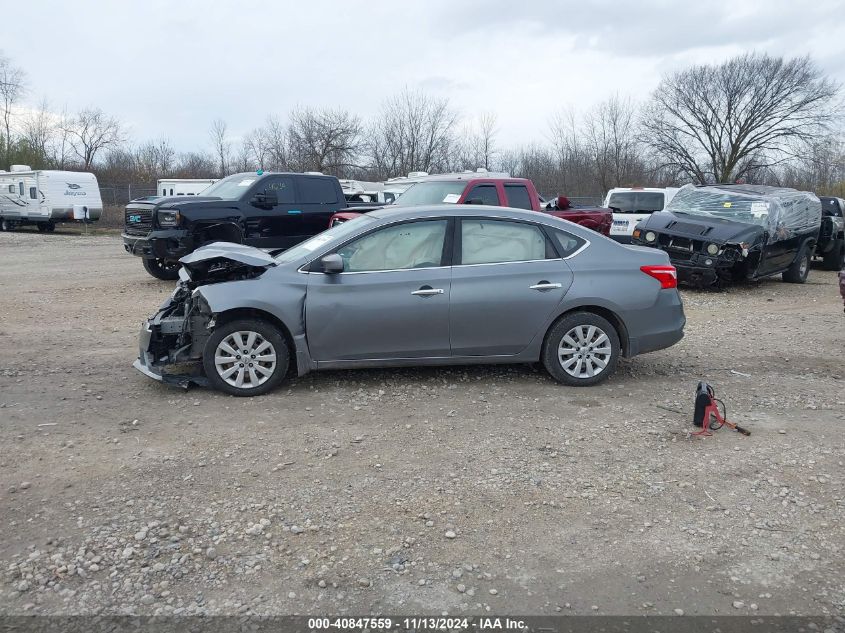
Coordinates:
169	245
659	327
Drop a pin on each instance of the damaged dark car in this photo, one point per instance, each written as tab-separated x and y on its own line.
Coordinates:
718	234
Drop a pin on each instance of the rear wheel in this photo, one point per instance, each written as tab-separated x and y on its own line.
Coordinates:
247	357
834	259
162	268
6	225
800	268
581	349
46	227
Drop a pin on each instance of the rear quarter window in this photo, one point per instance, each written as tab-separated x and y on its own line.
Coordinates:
566	243
317	191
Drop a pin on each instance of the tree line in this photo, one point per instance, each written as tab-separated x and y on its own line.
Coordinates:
752	118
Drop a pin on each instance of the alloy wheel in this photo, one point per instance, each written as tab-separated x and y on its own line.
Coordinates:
584	351
245	359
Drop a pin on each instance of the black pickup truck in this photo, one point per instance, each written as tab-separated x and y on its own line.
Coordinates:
261	209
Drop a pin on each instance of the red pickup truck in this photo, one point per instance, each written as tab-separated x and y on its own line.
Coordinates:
496	191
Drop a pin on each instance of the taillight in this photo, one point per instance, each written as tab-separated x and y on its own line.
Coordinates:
666	275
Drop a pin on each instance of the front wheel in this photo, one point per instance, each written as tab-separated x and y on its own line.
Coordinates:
247	357
581	349
799	270
6	225
162	269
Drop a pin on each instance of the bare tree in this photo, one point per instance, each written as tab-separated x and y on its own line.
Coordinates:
39	129
92	131
274	140
153	160
476	146
221	144
414	132
195	165
323	140
611	143
12	88
716	123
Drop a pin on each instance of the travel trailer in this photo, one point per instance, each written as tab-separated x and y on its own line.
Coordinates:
183	186
44	197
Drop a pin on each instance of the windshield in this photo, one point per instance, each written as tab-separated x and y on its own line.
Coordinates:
231	188
739	208
636	202
433	192
337	232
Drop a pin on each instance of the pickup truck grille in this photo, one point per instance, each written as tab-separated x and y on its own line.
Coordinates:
138	221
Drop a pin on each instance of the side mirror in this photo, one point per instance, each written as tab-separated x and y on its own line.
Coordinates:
266	199
332	264
474	201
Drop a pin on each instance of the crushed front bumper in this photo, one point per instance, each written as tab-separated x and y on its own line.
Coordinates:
180	374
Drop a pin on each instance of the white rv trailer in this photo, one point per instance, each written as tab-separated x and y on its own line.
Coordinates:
183	186
46	196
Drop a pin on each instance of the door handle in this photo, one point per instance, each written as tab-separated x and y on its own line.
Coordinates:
545	285
427	291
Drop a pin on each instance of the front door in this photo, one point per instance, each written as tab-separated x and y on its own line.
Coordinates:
506	281
390	302
279	226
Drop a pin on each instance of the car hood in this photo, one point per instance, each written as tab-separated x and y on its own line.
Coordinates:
701	227
225	261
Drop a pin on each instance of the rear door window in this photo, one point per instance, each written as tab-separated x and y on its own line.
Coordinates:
499	241
636	202
483	194
317	191
518	197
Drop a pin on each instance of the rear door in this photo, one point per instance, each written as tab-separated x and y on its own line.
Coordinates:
319	197
630	208
506	281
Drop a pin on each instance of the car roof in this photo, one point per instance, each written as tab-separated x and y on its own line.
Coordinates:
467	210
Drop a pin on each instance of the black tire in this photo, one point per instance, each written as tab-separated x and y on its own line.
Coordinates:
834	259
51	226
7	226
46	227
162	269
237	329
553	348
799	270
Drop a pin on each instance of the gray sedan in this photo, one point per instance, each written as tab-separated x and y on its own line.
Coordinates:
443	285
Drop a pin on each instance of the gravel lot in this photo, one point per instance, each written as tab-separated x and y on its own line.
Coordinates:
463	490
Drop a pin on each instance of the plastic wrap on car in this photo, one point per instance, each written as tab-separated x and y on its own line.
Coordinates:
787	212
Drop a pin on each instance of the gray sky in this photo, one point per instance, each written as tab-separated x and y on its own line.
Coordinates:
169	68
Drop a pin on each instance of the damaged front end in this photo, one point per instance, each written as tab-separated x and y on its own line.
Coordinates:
171	342
705	252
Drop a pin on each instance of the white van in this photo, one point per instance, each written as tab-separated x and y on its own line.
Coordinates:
183	186
630	205
46	196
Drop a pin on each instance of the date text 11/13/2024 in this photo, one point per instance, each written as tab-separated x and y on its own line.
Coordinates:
416	624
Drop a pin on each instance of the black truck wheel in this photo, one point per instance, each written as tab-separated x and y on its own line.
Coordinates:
800	268
834	259
162	269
